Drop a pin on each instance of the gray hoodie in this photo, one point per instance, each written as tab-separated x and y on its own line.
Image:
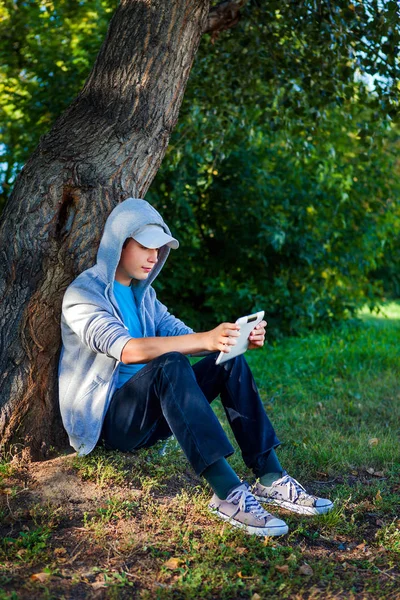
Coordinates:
92	328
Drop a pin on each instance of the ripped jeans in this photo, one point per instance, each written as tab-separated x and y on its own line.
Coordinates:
169	396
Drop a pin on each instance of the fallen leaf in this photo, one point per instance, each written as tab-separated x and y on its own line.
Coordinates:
306	570
370	470
373	442
172	563
361	546
239	574
41	577
256	596
282	568
379	474
60	551
241	550
98	585
378	496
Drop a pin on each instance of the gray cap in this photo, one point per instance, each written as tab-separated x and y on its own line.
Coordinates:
154	236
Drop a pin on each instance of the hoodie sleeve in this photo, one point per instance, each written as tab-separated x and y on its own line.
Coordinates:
96	327
167	324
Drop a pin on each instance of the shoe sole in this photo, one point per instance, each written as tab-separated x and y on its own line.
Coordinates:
262	531
297	508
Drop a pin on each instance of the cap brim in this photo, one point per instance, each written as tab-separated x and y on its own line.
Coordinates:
155	238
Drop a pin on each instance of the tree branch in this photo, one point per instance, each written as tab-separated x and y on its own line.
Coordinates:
224	15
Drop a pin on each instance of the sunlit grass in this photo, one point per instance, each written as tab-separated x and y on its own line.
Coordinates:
389	310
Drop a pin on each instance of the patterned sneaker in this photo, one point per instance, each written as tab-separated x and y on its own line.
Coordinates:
242	510
288	493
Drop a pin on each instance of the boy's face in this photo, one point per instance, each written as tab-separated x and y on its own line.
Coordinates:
136	262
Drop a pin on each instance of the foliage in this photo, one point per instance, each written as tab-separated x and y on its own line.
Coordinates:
47	48
280	179
283	179
290	224
388	268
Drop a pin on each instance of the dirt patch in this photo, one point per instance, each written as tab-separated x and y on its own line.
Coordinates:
56	481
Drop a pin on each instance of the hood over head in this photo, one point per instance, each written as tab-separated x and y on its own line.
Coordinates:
126	220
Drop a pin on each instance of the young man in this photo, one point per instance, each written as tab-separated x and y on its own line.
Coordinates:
124	378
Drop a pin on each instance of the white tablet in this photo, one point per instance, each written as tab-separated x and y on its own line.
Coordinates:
247	325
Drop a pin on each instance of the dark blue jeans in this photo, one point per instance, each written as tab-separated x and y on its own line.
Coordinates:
169	396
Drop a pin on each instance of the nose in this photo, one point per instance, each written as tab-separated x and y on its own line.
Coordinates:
153	257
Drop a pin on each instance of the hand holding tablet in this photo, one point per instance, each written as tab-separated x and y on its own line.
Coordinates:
247	324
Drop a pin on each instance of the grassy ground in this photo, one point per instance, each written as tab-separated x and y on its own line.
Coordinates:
136	526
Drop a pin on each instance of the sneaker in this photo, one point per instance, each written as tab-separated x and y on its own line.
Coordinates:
288	493
242	510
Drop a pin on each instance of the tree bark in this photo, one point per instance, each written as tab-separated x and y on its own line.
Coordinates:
224	15
106	147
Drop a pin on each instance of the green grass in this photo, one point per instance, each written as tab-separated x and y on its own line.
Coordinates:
334	400
101	467
27	546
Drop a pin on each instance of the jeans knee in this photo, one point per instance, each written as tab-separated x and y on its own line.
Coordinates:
174	359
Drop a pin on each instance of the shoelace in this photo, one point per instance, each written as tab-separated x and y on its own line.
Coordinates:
296	490
247	503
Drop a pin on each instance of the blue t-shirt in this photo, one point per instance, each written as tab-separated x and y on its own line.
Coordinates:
127	305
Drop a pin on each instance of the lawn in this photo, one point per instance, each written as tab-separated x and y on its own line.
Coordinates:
137	526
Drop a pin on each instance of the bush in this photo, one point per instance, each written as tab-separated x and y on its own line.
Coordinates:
292	222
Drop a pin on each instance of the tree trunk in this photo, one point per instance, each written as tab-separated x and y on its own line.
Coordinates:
106	147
